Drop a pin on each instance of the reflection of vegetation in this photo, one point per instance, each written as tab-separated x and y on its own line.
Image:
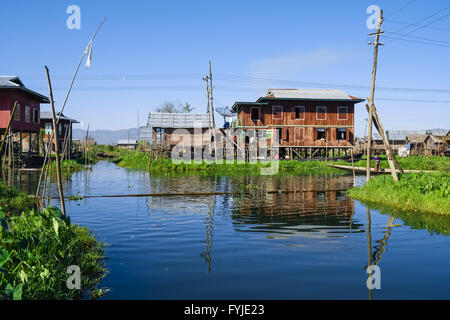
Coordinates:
14	201
424	192
139	160
37	247
408	163
438	224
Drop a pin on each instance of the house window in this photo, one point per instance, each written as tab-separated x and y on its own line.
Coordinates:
27	114
300	113
48	128
277	112
286	136
320	133
36	115
254	114
342	113
341	134
17	113
321	113
298	133
60	129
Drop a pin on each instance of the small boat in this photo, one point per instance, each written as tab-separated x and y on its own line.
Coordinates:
372	170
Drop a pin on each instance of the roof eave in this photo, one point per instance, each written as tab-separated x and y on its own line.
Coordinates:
310	99
42	98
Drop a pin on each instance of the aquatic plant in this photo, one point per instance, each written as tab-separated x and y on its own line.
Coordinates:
422	192
36	249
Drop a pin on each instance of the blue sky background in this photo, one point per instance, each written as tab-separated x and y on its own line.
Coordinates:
149	52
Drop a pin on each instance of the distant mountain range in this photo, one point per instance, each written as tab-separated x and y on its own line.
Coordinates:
106	136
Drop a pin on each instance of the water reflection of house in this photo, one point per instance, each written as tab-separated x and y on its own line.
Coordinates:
307	195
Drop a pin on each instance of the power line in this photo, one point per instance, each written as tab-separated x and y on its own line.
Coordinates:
402	8
421	42
432	41
421	27
249	79
418	25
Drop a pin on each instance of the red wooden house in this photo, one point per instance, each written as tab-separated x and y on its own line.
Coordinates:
25	125
303	122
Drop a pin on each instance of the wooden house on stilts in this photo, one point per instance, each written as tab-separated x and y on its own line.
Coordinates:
303	123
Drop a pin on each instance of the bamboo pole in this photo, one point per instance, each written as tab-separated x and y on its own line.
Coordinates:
353	169
58	165
387	147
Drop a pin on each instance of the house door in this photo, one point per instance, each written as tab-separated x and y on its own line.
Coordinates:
279	133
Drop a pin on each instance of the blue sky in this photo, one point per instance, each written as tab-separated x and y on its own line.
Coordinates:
149	52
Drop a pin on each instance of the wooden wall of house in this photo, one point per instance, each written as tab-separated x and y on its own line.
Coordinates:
7	99
173	136
302	131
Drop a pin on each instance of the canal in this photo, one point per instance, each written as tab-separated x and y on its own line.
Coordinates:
310	243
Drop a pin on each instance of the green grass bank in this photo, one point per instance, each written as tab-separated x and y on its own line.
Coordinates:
421	192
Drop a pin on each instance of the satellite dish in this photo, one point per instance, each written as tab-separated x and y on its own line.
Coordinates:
225	112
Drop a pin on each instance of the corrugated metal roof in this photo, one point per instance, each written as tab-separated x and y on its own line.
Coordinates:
48	115
13	82
415	134
435	139
399	134
10	82
309	94
416	138
177	120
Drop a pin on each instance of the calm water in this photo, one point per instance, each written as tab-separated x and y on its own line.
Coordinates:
314	243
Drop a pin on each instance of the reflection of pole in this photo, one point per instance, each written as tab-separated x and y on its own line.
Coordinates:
383	242
369	246
209	223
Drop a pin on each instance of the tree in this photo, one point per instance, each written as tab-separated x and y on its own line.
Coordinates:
169	107
186	108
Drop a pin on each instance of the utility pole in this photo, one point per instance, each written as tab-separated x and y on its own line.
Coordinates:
206	79
211	97
211	105
55	129
372	90
139	135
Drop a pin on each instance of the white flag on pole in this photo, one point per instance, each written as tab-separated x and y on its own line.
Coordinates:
88	51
